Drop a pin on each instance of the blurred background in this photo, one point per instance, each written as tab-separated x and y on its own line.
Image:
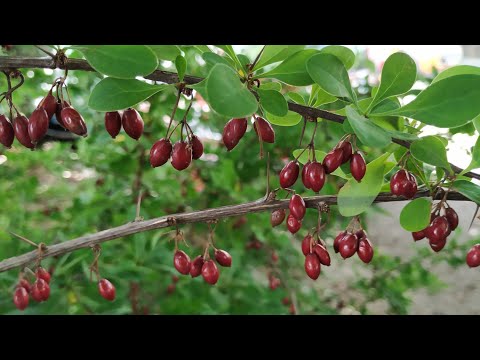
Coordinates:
71	187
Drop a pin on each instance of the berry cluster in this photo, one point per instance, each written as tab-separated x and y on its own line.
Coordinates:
403	183
235	129
131	121
40	290
348	242
316	254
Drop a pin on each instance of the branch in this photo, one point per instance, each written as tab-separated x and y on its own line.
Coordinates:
188	218
172	78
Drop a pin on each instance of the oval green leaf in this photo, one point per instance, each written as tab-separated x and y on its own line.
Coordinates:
469	189
271	85
415	216
344	54
166	52
212	59
430	150
275	53
297	98
368	132
291	119
457	70
273	102
181	66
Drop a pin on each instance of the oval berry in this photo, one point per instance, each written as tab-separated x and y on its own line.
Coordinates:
20	298
210	272
277	217
398	181
181	155
106	289
196	267
289	174
473	256
439	245
438	229
233	131
293	224
336	242
73	121
41	273
24	283
358	167
132	123
346	147
40	290
264	129
316	176
274	282
181	261
305	180
307	240
322	254
37	125
333	160
418	235
452	218
58	112
49	104
223	258
7	134
312	266
160	152
113	123
348	245
20	128
365	250
197	147
297	206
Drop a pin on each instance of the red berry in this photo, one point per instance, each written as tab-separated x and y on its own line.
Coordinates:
473	256
58	112
297	206
336	242
333	160
418	235
312	266
365	250
274	282
73	121
132	123
20	298
348	245
181	261
277	217
452	218
20	128
223	258
197	147
293	224
289	174
49	104
438	229
171	288
233	131
113	123
37	125
358	167
439	245
7	134
322	254
40	290
346	147
41	273
307	240
403	183
305	180
360	234
210	272
106	289
181	155
160	152
316	176
24	283
196	267
264	129
286	301
175	278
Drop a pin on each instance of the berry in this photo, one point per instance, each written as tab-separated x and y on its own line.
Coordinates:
346	147
20	128
181	155
418	235
37	125
439	245
197	147
312	266
289	174
113	123
360	234
7	134
60	107
41	273
306	244
297	206
160	152
286	301
333	160
452	218
24	283
403	183
274	282
49	104
438	229
20	298
196	267
233	131
181	261
175	278
322	254
73	121
348	245
223	258
40	290
106	289
336	242
365	250
264	129
358	167
171	288
316	176
210	272
132	123
305	180
293	224
277	217
473	256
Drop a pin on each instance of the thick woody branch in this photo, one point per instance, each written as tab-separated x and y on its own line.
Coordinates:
186	218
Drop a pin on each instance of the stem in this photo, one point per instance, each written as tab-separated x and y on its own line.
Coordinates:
173	112
24	239
257	58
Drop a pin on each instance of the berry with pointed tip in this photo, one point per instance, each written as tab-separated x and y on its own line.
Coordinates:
181	155
24	283
297	206
49	104
7	134
473	256
322	254
277	217
41	273
73	121
358	167
305	180
452	218
58	112
181	261
264	129
333	160
365	250
360	234
20	298
233	131
223	258
40	290
346	147
316	176
197	147
307	240
160	152
113	123
336	242
289	174
132	123
418	235
348	245
403	183
210	272
106	289
439	245
20	128
293	224
196	267
312	266
37	125
438	229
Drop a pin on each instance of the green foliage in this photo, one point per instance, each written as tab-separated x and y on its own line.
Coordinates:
367	131
430	150
415	216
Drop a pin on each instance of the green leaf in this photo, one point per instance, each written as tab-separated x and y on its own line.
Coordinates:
385	105
332	76
120	61
295	97
291	119
112	94
276	53
469	189
320	97
457	70
354	198
244	60
166	52
344	54
230	52
202	48
398	76
368	132
402	135
212	59
319	155
475	162
450	102
273	102
430	150
227	95
271	85
181	66
293	71
415	216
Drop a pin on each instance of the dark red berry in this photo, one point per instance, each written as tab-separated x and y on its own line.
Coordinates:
49	104
293	224
473	256
418	235
233	131
365	250
7	134
316	176
181	155
223	258
24	283
175	278
160	152
132	123
333	160
307	240
20	298
274	282
181	261
196	267
40	290
41	273
37	125
264	129
73	121
439	245
277	217
403	183
358	166
360	234
20	128
336	242
171	288
348	245
312	266
305	180
289	174
322	254
106	289
297	206
438	229
452	218
210	272
410	188
286	301
346	147
113	123
197	147
60	107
